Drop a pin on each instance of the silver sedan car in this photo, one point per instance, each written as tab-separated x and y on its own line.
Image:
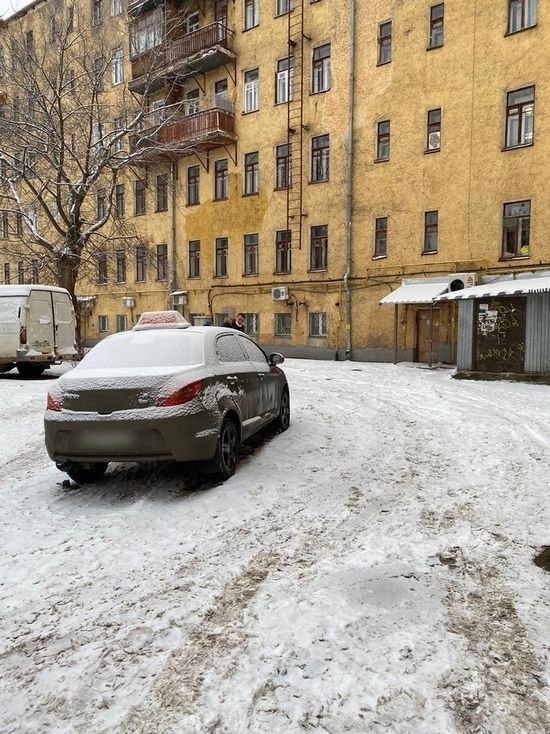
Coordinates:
165	391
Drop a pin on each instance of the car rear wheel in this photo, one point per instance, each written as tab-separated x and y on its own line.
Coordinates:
227	451
282	421
86	471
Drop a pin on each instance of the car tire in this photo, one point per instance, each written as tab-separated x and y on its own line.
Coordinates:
282	421
85	472
27	369
227	450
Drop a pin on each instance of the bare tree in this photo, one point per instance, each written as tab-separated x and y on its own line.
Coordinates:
71	134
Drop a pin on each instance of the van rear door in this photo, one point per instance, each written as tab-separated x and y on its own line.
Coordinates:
65	326
40	336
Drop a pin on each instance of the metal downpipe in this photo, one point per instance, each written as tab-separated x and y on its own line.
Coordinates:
349	181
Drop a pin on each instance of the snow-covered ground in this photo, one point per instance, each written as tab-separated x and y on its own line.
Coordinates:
370	570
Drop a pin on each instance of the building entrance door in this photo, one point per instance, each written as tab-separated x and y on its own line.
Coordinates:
423	336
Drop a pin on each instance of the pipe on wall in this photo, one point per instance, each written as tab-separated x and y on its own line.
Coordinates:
349	181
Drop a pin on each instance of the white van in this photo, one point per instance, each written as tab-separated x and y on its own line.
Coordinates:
37	328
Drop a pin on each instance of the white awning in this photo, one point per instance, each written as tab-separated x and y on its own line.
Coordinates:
416	292
519	287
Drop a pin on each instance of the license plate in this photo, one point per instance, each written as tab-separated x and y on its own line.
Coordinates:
107	440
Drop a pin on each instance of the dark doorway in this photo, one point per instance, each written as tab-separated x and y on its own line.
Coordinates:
423	336
499	334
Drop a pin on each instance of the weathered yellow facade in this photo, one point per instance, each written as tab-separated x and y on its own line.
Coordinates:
449	69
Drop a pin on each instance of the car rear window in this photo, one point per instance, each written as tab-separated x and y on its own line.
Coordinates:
146	349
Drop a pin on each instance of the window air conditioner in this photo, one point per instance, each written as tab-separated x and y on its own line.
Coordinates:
128	302
179	298
459	281
279	294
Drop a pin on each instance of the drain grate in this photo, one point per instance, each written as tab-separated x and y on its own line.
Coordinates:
543	558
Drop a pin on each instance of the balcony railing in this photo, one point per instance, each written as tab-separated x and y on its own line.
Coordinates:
207	48
180	134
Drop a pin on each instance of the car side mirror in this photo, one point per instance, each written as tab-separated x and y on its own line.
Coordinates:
276	358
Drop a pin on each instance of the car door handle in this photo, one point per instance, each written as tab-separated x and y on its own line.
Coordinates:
232	378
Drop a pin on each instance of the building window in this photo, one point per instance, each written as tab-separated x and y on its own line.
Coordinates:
102	274
29	43
252	90
284	80
5	225
319	248
283	324
119	201
384	42
433	131
116	7
70	19
252	324
318	324
251	14
380	237
221	95
19	224
283	6
103	324
97	12
283	251
145	33
35	272
162	262
221	257
191	23
118	66
251	178
431	225
121	323
383	141
251	254
118	129
320	158
221	176
162	192
20	273
192	102
283	160
193	185
120	260
7	277
520	112
101	204
521	14
515	229
321	69
139	197
194	259
436	26
141	263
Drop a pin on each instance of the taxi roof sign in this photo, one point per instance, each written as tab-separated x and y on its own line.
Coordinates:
161	320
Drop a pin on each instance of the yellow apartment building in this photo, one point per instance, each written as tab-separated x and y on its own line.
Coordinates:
301	159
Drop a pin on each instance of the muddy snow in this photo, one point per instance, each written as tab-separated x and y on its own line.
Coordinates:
370	570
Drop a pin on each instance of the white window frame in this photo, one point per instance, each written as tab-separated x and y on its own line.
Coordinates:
251	14
118	66
251	90
284	82
318	325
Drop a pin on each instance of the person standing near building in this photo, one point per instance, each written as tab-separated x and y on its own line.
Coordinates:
239	322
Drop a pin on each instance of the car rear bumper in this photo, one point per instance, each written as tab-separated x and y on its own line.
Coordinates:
173	438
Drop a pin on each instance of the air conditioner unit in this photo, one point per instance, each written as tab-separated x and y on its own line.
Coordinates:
279	294
434	141
128	302
459	281
179	298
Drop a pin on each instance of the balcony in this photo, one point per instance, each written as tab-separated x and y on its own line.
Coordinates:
198	52
180	135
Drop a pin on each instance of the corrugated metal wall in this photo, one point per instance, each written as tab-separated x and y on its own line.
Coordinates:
537	333
465	341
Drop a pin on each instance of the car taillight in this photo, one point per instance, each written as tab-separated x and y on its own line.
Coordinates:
181	395
22	335
55	400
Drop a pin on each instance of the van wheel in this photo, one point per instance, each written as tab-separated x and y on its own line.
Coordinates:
85	472
227	451
27	369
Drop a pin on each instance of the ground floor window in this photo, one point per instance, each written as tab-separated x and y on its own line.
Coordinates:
283	324
318	324
121	323
103	324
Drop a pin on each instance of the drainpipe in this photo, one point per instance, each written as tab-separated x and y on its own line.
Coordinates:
172	245
349	192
